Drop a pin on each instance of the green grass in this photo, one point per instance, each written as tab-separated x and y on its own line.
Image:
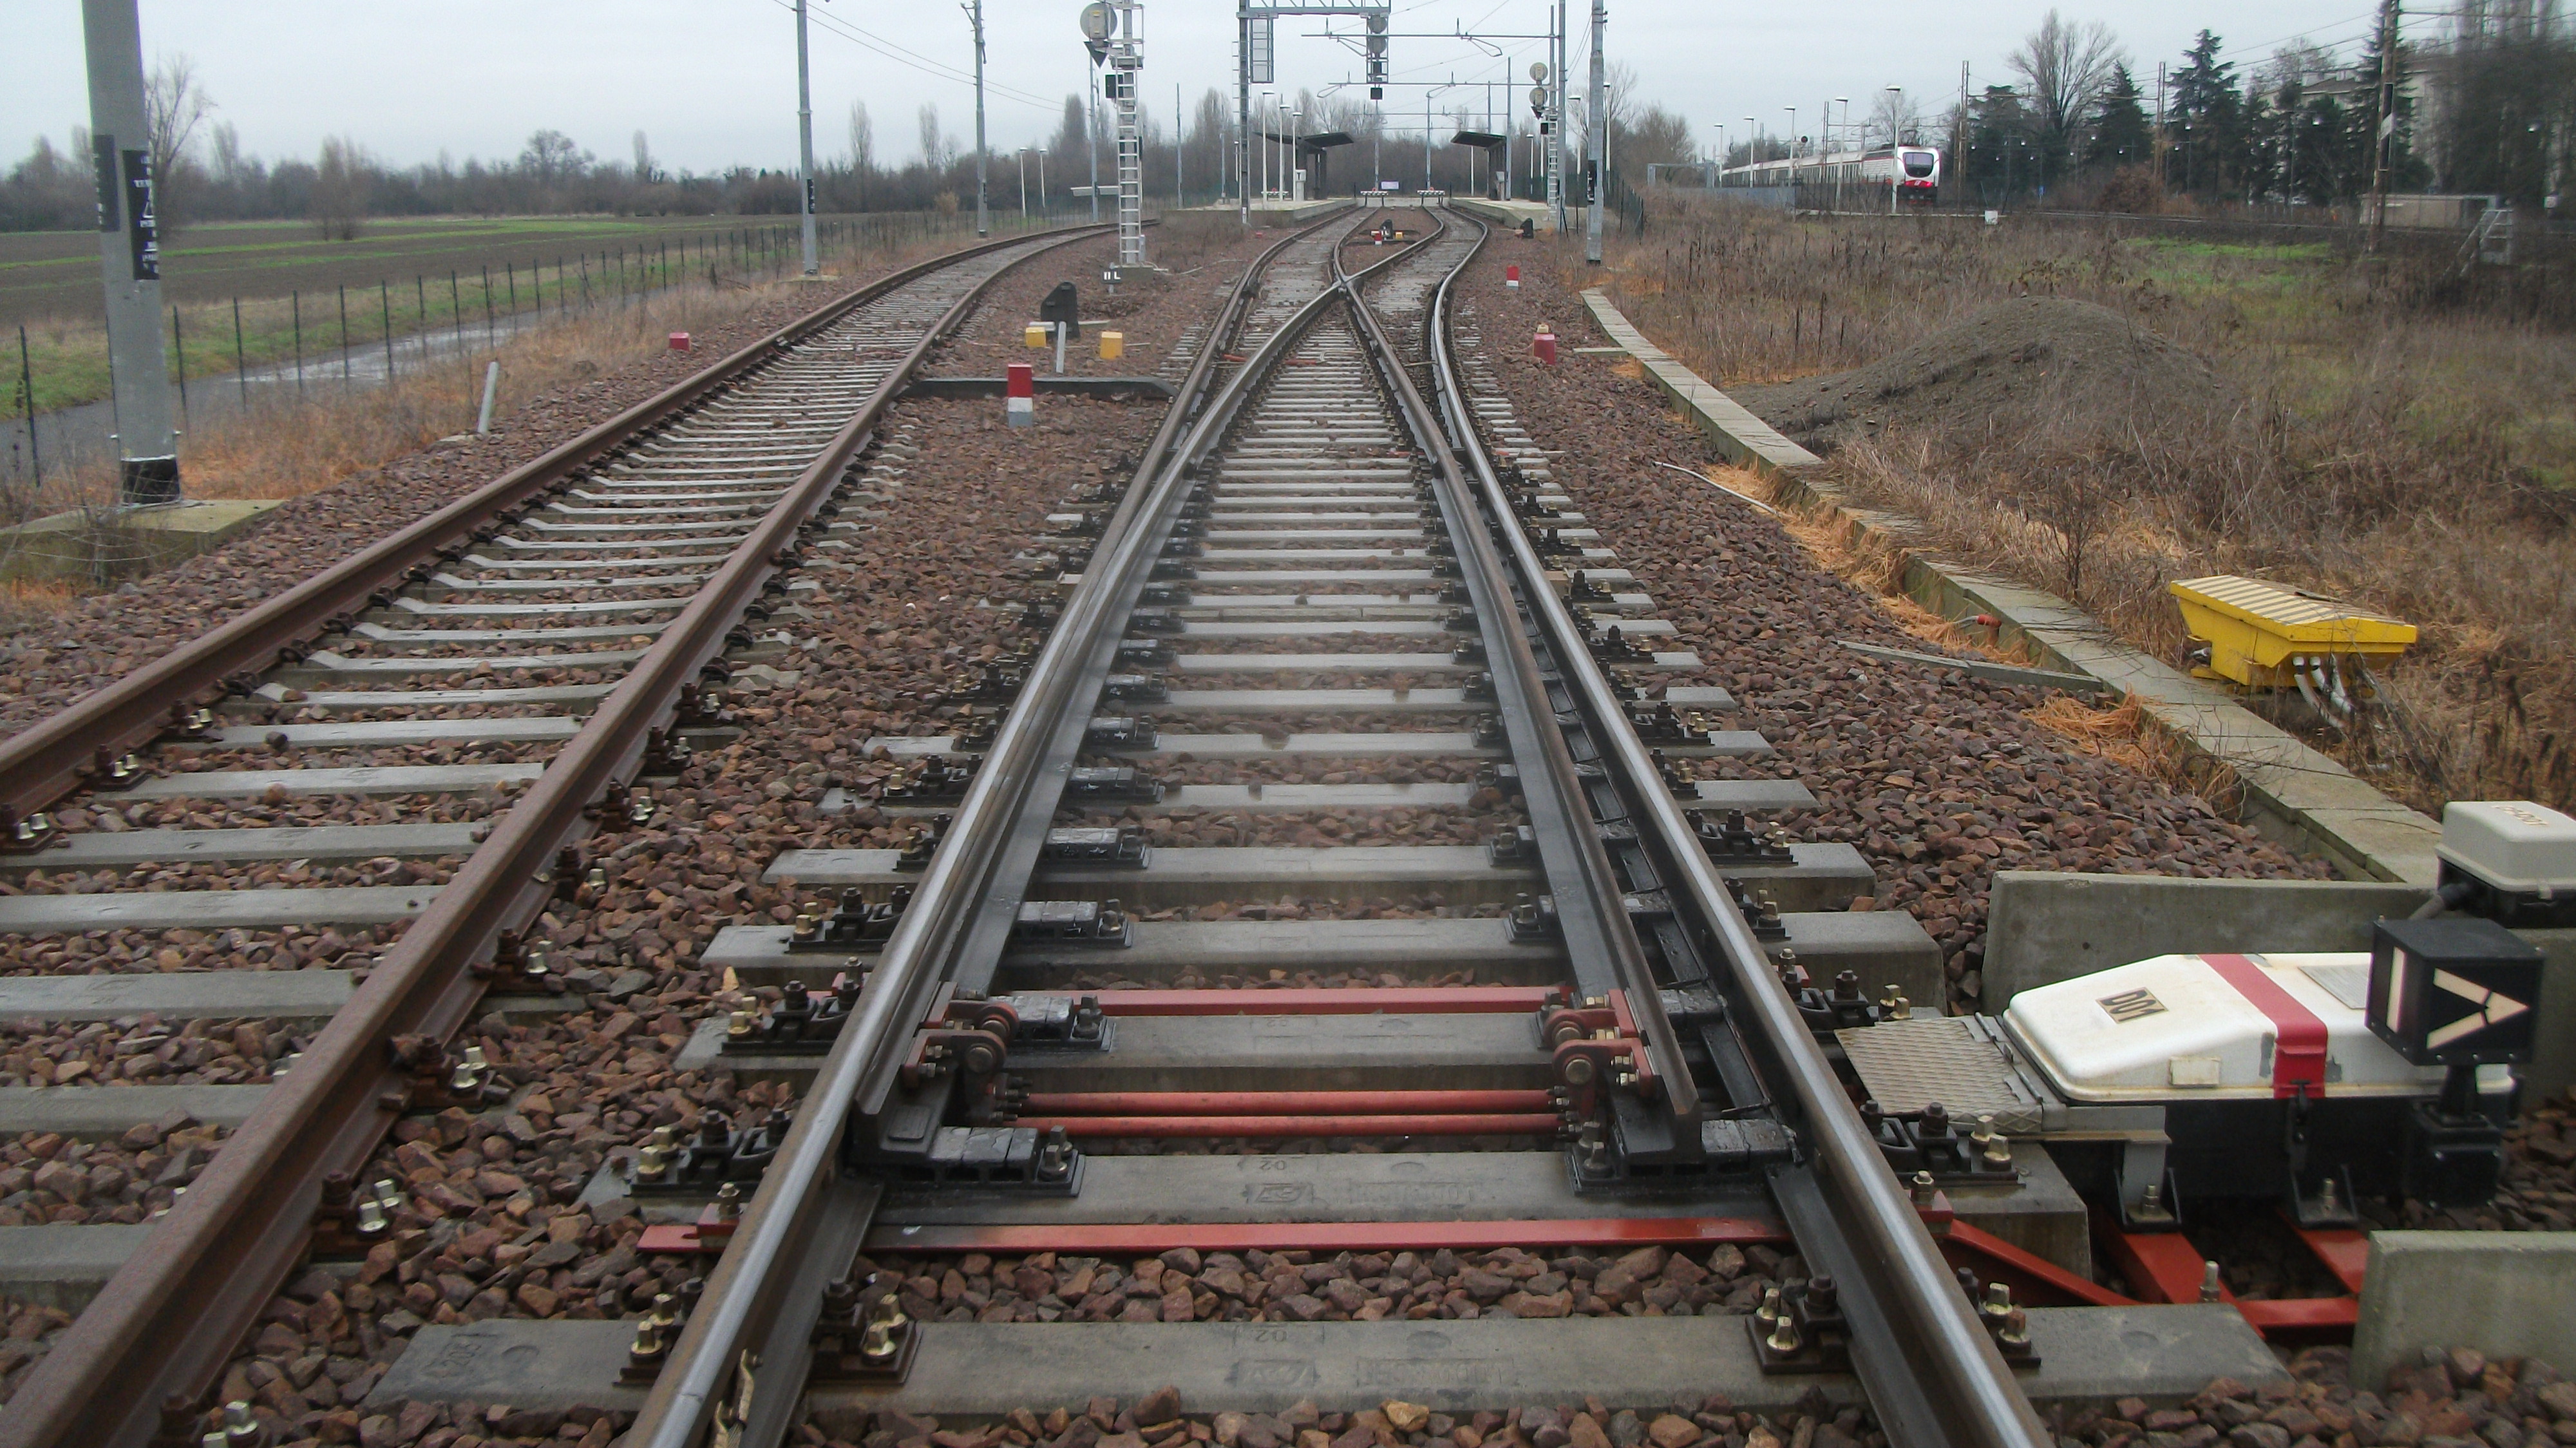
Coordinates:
275	269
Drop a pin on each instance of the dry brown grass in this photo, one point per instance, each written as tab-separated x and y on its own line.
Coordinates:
2129	736
2415	461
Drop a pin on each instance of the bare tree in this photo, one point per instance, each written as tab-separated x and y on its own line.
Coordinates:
552	156
1896	116
340	189
933	149
2065	66
863	149
645	172
173	107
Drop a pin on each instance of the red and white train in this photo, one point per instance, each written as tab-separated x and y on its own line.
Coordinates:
1913	171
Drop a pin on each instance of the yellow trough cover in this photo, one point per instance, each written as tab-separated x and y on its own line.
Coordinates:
2254	628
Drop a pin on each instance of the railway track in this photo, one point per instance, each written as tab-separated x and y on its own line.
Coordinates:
1316	561
631	570
1338	585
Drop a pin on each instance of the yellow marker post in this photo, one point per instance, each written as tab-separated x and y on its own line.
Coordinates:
1036	335
2259	634
1113	345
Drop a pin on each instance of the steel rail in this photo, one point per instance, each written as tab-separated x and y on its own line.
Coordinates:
46	760
744	1347
1590	898
1931	1371
169	1317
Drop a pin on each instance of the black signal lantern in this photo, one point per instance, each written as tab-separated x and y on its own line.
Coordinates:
1377	55
2454	991
2458	992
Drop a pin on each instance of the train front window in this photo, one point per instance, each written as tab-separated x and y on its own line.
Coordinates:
1918	163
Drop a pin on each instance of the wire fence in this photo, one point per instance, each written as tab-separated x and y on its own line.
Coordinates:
232	357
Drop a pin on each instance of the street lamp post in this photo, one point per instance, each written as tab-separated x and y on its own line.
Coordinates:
1752	151
983	219
1793	153
1720	177
1845	103
805	149
1895	145
1022	156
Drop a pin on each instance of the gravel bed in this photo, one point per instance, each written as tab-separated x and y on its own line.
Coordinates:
1157	1420
106	952
1939	780
143	1052
53	661
491	1228
1150	311
45	1179
106	815
32	1331
2453	1399
1183	1286
262	875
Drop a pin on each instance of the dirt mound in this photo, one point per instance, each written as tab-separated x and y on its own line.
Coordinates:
2025	362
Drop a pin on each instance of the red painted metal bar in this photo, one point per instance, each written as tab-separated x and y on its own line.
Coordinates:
1327	1000
1281	1103
1451	1124
1126	1239
2345	1253
2036	1281
2302	1314
2162	1266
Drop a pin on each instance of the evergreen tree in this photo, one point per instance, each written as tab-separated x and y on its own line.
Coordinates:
2002	162
2120	125
2205	124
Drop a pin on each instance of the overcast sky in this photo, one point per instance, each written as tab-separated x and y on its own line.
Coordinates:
712	82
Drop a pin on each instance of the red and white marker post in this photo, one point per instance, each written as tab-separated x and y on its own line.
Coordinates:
1512	277
1020	404
679	341
1543	346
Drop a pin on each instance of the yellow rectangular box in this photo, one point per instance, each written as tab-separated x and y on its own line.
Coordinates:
2256	631
1113	345
1036	335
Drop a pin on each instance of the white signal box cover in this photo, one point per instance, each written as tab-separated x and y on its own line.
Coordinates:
2173	1029
2512	844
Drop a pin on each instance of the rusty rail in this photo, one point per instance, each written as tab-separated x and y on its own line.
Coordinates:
167	1321
46	760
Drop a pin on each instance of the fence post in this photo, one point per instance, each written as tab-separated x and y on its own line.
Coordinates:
490	333
385	299
295	300
455	310
179	347
241	369
345	375
27	380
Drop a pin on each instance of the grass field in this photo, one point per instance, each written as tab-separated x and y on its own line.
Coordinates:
2407	446
246	292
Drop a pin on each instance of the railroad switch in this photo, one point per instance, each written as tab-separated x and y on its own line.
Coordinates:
1800	1328
1115	847
948	1121
1134	689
